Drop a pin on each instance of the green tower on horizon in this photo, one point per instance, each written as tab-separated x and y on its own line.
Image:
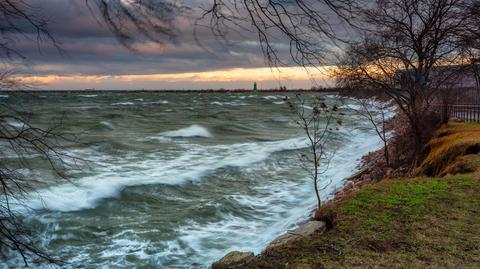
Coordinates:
255	86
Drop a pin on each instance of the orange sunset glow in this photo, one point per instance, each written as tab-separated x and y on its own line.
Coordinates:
271	76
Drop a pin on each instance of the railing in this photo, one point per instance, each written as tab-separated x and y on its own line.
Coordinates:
464	112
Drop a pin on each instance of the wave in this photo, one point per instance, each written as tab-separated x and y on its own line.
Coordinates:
123	104
227	103
156	102
106	125
191	131
247	96
4	96
17	124
88	95
192	165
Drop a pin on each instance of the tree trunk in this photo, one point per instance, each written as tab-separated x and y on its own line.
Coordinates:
445	116
315	176
385	153
417	139
319	201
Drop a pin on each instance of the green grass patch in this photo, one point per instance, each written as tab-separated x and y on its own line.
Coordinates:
401	223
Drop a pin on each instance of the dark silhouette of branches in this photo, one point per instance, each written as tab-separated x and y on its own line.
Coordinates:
19	19
21	141
471	40
305	24
130	21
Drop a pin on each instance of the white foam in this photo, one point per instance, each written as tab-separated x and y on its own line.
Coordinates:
191	166
122	247
107	124
191	131
307	107
123	104
17	124
157	102
4	96
88	95
228	103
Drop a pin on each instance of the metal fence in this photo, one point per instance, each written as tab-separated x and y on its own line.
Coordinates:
462	104
464	112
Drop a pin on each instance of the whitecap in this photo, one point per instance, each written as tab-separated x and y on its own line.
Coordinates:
107	125
191	131
88	95
157	102
228	103
17	124
123	104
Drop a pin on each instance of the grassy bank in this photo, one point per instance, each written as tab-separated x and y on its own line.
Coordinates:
422	222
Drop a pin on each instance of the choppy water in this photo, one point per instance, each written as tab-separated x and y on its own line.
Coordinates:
178	180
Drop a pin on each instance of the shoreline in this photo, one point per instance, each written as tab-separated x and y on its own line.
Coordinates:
321	219
310	226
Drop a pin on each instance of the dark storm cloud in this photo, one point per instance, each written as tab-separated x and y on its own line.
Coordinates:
89	48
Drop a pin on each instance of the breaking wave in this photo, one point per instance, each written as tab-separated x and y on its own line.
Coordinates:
194	130
190	166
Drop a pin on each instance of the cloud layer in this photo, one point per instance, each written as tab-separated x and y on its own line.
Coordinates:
91	57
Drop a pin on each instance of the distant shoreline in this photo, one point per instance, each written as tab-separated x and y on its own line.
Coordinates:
324	90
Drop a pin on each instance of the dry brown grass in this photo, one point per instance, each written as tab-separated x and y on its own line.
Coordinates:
445	151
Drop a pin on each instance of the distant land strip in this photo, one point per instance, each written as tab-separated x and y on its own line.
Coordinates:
325	90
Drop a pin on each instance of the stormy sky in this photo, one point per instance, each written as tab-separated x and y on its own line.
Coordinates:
90	56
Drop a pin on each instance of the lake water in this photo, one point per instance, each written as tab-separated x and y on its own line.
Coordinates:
175	180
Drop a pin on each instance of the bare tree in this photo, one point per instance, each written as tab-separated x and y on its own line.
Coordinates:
403	44
319	122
